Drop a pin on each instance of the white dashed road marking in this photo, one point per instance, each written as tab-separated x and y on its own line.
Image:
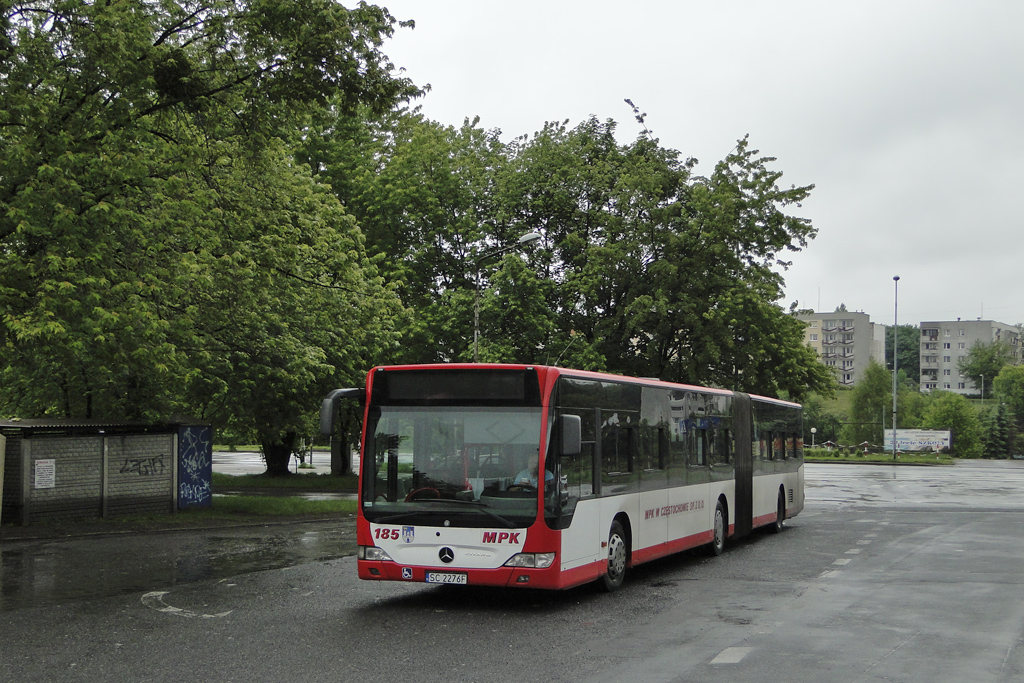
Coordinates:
155	601
732	655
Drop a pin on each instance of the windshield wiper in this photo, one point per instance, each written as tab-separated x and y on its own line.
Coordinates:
476	505
482	507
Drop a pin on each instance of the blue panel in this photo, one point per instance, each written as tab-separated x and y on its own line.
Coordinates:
195	467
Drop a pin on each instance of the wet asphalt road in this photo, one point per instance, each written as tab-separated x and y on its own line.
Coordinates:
891	573
44	571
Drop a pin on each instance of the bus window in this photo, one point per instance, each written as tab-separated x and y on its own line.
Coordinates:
618	454
653	456
577	471
698	447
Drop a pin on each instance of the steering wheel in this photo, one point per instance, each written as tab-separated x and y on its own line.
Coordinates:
414	494
528	488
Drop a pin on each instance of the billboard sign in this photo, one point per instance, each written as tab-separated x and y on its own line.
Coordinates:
909	440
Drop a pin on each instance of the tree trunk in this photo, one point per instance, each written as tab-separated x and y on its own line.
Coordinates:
278	453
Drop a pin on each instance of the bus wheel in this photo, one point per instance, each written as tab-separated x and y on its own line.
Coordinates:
718	540
780	515
616	558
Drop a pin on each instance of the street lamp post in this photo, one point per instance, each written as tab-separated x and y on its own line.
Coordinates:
895	354
813	432
983	391
528	238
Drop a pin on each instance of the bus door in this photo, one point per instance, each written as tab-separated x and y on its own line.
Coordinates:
742	432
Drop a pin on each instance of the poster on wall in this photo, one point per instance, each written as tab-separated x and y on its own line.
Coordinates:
910	440
46	474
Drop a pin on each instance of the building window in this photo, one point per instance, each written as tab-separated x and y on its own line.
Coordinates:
963	333
945	386
814	337
945	359
961	345
961	385
947	372
946	345
945	333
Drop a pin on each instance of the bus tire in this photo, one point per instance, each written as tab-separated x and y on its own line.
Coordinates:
617	557
718	531
780	515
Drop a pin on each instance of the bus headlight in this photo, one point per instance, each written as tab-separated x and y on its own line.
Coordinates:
531	560
373	553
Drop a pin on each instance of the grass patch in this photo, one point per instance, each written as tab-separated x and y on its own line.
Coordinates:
295	482
822	455
254	448
277	506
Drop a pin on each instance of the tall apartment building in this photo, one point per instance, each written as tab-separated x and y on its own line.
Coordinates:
945	343
845	341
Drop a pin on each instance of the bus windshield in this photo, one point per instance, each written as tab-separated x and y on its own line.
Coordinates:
463	466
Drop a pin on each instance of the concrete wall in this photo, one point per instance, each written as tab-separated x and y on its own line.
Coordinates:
140	473
78	476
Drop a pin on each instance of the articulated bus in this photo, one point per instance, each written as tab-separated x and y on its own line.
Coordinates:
543	477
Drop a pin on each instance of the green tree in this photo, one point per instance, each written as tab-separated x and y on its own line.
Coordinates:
985	360
909	340
998	426
826	423
159	251
666	274
1008	387
949	411
643	269
870	403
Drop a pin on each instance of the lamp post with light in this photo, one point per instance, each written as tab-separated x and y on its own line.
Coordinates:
895	354
528	238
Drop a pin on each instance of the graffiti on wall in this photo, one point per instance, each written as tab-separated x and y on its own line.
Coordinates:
144	467
195	467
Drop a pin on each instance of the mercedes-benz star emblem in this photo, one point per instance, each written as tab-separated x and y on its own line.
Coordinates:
446	555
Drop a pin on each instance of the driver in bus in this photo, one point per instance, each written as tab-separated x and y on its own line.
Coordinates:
529	475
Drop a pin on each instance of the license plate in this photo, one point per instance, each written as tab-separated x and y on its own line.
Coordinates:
446	577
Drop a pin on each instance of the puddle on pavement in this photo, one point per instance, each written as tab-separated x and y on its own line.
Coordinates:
34	573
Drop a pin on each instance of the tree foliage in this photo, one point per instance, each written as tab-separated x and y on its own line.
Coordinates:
871	405
223	208
999	433
949	411
985	360
1009	388
644	269
159	250
908	339
871	401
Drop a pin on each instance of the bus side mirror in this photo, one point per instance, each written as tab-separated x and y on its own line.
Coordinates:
329	407
572	434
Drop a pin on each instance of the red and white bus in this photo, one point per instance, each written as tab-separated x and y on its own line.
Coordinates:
633	470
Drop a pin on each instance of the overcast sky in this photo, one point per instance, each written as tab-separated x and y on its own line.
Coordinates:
908	117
